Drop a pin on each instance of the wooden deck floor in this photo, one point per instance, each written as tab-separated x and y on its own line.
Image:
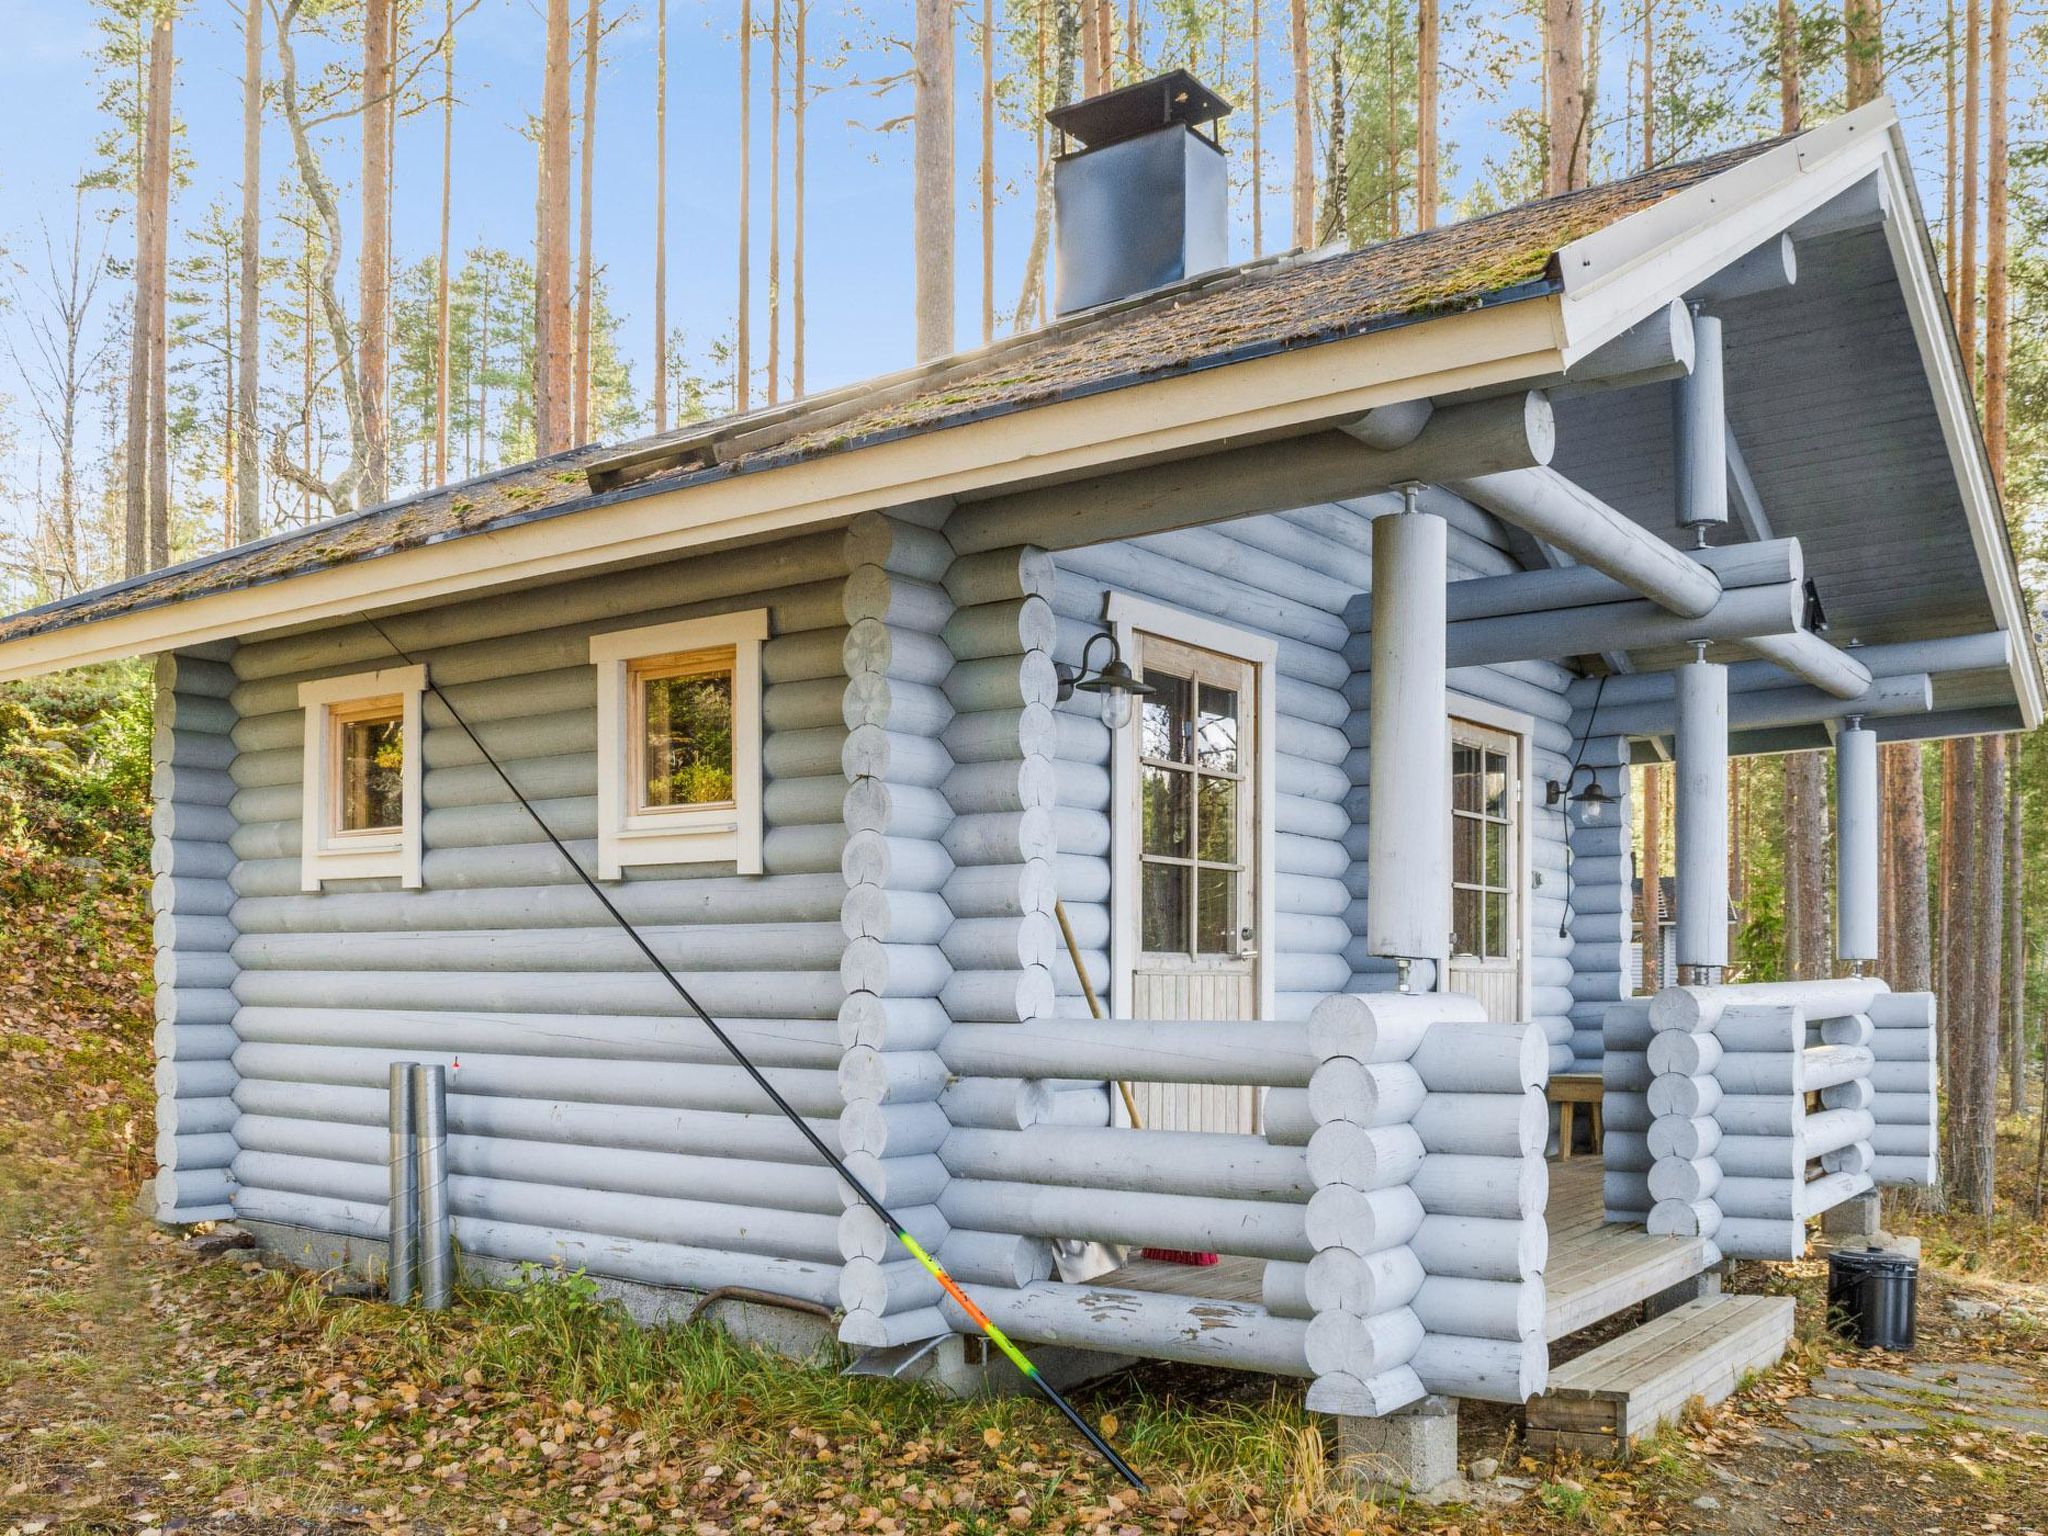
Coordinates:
1595	1270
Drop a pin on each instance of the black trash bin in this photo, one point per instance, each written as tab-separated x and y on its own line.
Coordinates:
1873	1294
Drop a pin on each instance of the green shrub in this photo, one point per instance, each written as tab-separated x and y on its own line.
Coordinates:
75	764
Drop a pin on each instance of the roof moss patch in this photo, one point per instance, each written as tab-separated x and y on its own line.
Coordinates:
1220	318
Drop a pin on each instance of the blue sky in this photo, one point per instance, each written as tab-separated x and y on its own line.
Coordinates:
859	272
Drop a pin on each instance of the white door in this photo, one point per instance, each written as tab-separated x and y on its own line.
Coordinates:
1486	874
1197	810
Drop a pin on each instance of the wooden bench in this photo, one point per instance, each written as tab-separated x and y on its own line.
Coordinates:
1605	1401
1568	1090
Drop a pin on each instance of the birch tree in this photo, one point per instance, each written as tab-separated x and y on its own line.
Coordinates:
586	286
443	332
1304	178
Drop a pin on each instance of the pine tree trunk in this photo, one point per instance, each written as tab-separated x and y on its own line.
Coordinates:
1863	49
1791	113
796	253
1951	250
442	340
1652	877
1997	270
775	202
248	484
932	178
586	276
1258	140
1959	1004
162	68
1806	812
1427	192
1988	924
1966	292
988	171
554	339
743	365
2015	1035
1564	91
1335	221
373	272
1304	233
1911	955
1649	68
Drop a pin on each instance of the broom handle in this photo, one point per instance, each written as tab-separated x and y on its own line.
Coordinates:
1059	910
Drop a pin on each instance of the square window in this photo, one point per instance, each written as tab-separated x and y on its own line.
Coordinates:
362	805
679	743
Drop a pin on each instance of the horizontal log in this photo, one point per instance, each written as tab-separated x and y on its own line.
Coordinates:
1490	1370
1488	1125
1195	1331
1194	1163
1481	1057
1363	1157
1255	1229
1484	1309
1482	1248
1371	1398
1364	1221
1449	1184
1699	1008
1257	1053
1377	1027
1346	1343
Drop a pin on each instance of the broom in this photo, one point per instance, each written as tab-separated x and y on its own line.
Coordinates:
1165	1255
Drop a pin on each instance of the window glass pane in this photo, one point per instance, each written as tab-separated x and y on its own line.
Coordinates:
1166	792
1465	849
1215	911
373	773
1496	784
1165	903
1493	870
686	754
1465	936
1167	714
1465	777
1218	821
1216	730
1496	924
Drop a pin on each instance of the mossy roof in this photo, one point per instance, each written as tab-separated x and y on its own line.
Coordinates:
1253	310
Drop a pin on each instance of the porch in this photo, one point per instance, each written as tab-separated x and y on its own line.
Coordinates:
1596	1268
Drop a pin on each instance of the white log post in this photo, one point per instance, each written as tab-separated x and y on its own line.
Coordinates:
1856	816
1702	815
1406	850
1699	433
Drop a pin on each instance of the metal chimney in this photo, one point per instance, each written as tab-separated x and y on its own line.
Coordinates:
1144	201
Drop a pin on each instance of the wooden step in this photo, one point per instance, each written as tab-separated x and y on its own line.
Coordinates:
1602	1403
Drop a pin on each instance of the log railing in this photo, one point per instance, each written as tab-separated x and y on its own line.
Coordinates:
1396	1195
1737	1113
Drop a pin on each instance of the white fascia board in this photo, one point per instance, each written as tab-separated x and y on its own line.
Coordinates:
1617	275
1955	403
1481	351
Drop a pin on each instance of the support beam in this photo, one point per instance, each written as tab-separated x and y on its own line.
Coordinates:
1856	844
1387	427
1579	586
1772	266
1702	817
1989	651
1552	508
1407	853
1699	433
1744	501
1648	352
1812	660
1480	437
1763	709
1747	614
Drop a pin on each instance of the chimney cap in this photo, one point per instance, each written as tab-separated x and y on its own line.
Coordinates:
1124	113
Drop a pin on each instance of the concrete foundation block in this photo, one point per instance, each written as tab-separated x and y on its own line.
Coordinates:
1859	1216
1414	1449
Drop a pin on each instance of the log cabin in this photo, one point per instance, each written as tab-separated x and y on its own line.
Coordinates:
1281	631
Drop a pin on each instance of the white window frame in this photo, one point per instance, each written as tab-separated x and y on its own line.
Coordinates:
325	851
1510	722
711	834
1129	615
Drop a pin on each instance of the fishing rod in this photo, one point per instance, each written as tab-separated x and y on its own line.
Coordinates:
867	1197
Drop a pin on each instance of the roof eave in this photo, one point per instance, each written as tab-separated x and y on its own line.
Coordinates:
1483	349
